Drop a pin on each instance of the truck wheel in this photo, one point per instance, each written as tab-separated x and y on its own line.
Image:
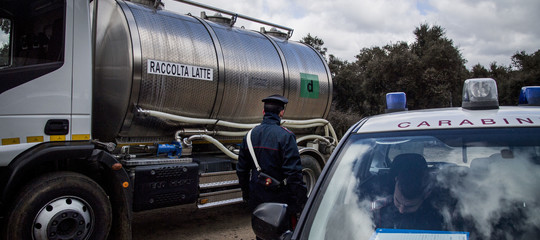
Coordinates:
311	171
62	205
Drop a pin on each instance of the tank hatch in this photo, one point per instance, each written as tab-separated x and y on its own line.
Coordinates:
218	18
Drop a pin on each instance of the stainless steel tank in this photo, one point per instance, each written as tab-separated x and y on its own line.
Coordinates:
185	65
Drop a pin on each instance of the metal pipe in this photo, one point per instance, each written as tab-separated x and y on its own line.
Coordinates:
237	15
287	123
304	126
212	140
312	137
231	134
302	122
196	120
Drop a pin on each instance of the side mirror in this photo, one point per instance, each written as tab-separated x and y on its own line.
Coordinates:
271	221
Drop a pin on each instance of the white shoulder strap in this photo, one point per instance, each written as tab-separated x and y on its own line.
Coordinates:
251	151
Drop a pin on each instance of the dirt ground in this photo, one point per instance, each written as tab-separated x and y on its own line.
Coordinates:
229	222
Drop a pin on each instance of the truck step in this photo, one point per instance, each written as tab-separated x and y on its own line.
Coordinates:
218	179
218	184
221	198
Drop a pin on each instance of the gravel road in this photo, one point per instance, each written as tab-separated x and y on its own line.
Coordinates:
229	222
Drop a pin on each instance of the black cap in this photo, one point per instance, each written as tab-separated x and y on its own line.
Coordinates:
276	98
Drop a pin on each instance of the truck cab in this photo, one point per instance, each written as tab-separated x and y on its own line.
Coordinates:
46	74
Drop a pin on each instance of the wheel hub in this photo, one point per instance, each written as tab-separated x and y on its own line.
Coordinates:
63	218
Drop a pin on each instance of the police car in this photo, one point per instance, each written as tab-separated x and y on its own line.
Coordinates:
478	178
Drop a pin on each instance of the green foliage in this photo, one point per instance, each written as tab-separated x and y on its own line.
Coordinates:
431	71
507	88
316	43
5	25
335	64
525	72
479	71
342	120
442	69
4	54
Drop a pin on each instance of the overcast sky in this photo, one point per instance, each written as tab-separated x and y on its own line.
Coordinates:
484	31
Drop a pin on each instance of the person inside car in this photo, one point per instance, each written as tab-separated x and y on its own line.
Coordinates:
410	206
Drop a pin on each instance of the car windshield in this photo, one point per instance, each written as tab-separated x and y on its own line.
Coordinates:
482	182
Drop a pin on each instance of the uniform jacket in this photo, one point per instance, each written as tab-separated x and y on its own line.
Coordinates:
278	156
425	218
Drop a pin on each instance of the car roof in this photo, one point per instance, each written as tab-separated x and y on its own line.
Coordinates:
451	118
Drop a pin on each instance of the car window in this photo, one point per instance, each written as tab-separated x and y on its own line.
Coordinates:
479	181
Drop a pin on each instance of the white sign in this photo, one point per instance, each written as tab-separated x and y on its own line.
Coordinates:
179	70
402	234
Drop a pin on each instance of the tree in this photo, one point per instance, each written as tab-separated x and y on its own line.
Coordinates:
479	71
316	43
443	68
382	70
335	64
341	120
528	63
502	75
430	71
5	26
527	73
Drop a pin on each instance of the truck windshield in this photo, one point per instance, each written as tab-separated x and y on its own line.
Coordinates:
482	182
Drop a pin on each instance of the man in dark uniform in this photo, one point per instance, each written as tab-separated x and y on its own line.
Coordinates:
410	207
277	155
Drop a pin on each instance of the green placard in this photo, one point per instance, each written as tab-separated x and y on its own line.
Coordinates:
309	85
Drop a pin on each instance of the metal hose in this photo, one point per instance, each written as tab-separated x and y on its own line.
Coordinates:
319	122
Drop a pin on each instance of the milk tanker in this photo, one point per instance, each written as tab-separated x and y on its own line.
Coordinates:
110	107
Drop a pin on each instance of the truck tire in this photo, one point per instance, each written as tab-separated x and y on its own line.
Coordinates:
61	205
311	171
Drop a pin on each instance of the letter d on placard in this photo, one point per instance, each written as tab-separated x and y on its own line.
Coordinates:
309	85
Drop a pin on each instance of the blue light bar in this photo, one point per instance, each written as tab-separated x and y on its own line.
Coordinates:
530	96
480	93
396	101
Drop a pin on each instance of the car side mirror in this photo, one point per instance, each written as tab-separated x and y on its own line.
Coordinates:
270	221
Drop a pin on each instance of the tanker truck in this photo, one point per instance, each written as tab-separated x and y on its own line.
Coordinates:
109	107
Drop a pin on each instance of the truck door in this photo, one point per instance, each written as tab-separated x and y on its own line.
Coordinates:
35	74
